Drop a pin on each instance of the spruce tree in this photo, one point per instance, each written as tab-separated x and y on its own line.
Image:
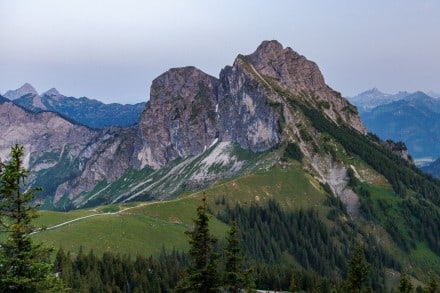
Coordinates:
357	270
292	286
24	266
234	279
405	285
202	273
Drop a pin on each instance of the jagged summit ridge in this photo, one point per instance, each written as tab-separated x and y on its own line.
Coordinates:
251	107
294	73
53	92
189	109
25	89
292	70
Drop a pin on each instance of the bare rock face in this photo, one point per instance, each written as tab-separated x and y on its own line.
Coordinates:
52	145
39	133
106	158
180	119
295	74
245	114
399	148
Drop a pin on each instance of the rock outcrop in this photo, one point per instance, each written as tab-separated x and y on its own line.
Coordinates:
105	159
245	114
53	145
294	74
181	118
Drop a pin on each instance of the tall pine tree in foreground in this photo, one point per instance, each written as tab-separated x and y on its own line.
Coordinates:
202	274
235	277
24	266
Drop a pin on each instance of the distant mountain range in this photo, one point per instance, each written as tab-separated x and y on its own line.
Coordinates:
85	111
409	117
433	168
370	99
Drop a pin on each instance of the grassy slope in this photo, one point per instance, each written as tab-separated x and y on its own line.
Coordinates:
147	227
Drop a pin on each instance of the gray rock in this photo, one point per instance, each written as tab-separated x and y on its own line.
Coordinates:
180	120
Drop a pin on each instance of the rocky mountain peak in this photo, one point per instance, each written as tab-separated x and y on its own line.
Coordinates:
267	50
53	93
25	89
179	82
180	119
370	94
292	70
283	69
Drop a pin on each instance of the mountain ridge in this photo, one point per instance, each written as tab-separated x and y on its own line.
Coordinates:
411	118
85	111
257	104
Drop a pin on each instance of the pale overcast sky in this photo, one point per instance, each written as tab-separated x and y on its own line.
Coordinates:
111	50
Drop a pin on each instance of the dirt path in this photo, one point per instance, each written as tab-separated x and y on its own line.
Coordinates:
122	210
95	215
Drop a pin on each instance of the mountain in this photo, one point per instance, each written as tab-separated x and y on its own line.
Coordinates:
248	109
52	143
370	99
433	168
269	144
24	90
3	99
414	120
89	112
433	94
192	115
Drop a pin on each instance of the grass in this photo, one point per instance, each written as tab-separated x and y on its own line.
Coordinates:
289	184
145	228
141	229
50	218
423	257
127	233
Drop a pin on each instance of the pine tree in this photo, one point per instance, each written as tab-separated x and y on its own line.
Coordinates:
292	286
24	266
405	285
202	274
234	279
357	270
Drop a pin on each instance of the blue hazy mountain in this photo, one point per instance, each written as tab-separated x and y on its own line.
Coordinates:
412	118
89	112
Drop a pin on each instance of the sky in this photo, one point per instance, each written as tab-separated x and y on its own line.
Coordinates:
112	50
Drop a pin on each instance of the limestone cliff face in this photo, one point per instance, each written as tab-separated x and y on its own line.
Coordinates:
52	146
40	133
181	118
106	158
293	73
245	114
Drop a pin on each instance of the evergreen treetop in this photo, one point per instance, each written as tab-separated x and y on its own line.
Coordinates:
24	266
